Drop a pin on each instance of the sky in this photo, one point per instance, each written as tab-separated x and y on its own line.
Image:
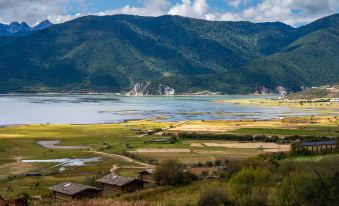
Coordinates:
292	12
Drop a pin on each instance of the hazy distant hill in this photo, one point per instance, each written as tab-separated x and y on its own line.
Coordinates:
9	33
112	53
18	29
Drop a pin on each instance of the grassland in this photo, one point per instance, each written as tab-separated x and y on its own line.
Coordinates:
111	141
19	143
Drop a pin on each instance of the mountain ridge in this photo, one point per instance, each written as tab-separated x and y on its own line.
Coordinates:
17	29
113	53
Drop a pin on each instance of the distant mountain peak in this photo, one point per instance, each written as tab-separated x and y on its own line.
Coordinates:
16	28
43	25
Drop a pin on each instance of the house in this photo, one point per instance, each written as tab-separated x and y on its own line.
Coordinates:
70	191
115	183
147	176
318	146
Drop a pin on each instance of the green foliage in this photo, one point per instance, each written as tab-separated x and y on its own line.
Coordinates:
215	197
265	138
171	172
112	53
296	189
250	186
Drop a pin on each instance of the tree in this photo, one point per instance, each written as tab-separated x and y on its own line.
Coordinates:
217	163
250	186
209	164
299	188
215	197
171	172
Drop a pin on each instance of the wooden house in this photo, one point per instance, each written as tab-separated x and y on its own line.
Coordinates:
70	191
115	183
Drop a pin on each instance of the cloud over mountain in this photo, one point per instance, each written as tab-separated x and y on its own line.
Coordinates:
293	12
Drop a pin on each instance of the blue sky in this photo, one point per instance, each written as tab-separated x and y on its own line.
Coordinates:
102	5
292	12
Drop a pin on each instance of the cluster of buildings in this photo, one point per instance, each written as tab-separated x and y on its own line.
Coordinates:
110	183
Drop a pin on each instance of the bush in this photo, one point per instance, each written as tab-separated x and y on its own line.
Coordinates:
296	189
92	180
171	172
215	197
250	186
230	169
209	164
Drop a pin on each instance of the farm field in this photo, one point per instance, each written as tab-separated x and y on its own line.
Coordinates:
109	144
315	125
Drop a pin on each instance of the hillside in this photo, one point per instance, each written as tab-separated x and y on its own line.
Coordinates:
113	53
317	93
310	60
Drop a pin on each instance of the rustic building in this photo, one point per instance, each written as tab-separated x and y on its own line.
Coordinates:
69	191
115	183
318	146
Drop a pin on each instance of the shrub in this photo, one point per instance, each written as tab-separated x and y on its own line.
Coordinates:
171	172
215	197
250	186
209	164
231	168
295	189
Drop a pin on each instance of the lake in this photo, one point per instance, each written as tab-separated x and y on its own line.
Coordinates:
111	108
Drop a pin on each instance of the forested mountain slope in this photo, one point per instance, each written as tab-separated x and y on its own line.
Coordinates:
112	53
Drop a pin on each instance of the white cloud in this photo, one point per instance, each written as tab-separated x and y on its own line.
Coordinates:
149	8
236	3
35	11
195	8
293	12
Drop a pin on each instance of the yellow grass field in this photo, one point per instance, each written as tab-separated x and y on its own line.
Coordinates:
221	126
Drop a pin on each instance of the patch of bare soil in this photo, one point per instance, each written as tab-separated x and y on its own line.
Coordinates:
151	150
268	147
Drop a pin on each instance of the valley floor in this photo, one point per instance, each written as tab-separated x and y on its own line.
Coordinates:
117	146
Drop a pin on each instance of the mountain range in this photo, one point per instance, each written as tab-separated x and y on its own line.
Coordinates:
20	29
13	30
114	53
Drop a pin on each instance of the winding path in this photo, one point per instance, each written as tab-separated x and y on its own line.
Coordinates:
142	165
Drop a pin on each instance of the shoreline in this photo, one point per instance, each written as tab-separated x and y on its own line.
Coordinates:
284	103
124	95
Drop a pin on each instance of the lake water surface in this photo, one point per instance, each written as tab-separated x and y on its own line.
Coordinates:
110	108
